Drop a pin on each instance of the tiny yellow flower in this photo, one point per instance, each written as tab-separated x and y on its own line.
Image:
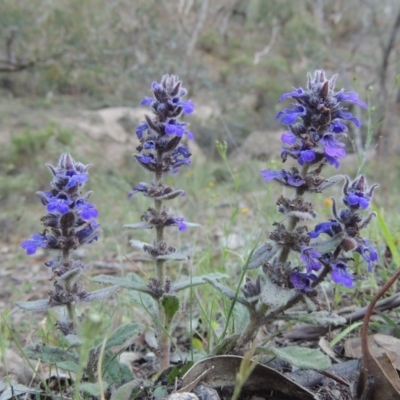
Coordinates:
211	184
244	210
328	202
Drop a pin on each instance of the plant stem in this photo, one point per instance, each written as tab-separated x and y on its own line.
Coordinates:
162	329
292	221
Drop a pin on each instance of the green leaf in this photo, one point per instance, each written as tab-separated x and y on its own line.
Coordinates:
228	292
123	333
146	301
129	390
275	296
198	280
324	318
49	354
68	366
327	245
116	372
160	392
93	389
303	357
122	282
171	306
36	305
241	317
178	372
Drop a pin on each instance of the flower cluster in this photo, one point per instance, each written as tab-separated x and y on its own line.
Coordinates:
70	221
161	151
316	123
69	224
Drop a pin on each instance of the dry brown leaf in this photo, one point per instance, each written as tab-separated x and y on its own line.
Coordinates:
223	370
378	345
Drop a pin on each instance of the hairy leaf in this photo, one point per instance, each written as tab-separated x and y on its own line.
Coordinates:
302	357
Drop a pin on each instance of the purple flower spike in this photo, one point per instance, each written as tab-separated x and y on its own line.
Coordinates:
308	255
341	276
289	116
32	244
302	281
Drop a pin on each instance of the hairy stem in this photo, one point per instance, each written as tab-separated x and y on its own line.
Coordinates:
292	221
162	329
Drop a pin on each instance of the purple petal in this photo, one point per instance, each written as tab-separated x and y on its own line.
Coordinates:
289	138
296	93
341	276
351	97
270	174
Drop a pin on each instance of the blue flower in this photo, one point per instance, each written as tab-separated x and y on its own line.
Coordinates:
59	204
89	233
308	255
289	116
347	116
306	156
147	159
187	105
337	127
180	156
368	253
358	194
179	222
87	210
332	147
332	160
358	199
351	97
284	177
147	101
32	244
174	127
297	93
289	138
140	129
341	276
140	187
74	178
302	281
331	228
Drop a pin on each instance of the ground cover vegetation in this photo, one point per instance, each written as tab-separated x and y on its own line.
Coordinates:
170	278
